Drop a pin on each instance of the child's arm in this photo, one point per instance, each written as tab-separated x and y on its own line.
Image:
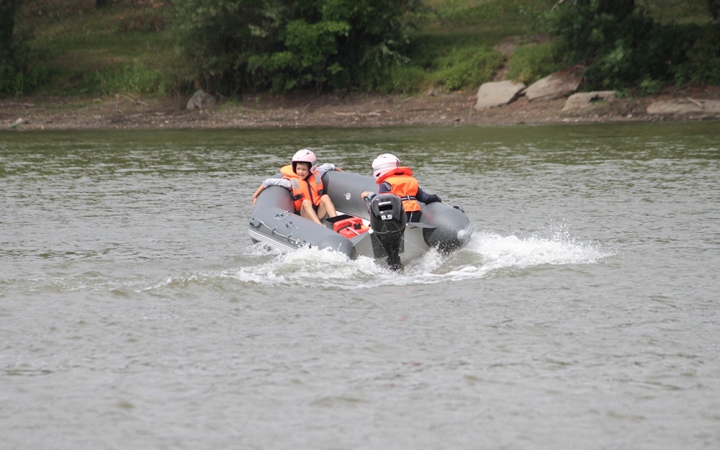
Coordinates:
259	190
272	182
327	167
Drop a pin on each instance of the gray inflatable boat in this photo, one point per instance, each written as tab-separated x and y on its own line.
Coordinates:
378	230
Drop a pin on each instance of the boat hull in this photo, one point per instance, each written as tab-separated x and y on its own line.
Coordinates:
274	223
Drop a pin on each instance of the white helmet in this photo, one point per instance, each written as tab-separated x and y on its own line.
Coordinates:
384	163
307	156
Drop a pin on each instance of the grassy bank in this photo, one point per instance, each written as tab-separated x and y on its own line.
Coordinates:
127	47
456	45
123	48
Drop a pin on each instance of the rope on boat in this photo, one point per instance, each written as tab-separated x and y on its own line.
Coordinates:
287	237
296	241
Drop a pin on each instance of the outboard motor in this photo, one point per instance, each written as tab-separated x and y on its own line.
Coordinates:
387	220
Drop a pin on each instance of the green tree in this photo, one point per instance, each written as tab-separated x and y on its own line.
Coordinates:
239	45
714	9
17	73
8	45
8	8
622	48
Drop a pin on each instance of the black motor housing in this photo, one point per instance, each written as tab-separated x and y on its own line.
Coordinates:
387	220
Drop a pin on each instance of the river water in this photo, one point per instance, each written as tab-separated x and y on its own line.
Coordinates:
585	312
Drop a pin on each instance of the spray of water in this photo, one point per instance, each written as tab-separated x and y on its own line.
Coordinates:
486	254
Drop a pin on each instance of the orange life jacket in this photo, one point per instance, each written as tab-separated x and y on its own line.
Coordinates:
311	188
404	185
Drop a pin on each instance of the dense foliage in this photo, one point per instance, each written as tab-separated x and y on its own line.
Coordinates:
8	47
529	63
714	9
622	47
235	45
18	75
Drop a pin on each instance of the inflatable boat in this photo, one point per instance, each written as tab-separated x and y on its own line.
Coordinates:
377	230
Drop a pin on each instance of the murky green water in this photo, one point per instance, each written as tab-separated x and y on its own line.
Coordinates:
584	313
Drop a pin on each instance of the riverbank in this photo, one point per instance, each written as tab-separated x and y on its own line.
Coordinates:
310	110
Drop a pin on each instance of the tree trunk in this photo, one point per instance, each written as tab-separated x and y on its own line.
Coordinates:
101	3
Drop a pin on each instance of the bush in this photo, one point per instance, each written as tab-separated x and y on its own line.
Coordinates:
18	74
238	45
467	67
136	78
623	48
22	82
703	59
530	63
405	79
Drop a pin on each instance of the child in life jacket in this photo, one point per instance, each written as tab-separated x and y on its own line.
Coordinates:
304	181
393	178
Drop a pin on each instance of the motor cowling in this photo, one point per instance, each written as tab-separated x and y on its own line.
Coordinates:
387	220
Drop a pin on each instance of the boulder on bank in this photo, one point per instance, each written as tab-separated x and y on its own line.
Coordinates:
559	84
584	100
498	93
201	100
20	121
684	106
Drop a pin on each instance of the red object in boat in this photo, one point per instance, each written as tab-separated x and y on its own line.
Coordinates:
350	227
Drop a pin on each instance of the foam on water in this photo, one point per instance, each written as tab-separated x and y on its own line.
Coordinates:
322	267
495	253
485	254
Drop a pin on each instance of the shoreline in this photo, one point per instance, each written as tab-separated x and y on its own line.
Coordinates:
309	110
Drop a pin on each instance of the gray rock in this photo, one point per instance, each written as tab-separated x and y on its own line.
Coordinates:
498	93
684	106
711	106
584	100
201	100
19	122
559	84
